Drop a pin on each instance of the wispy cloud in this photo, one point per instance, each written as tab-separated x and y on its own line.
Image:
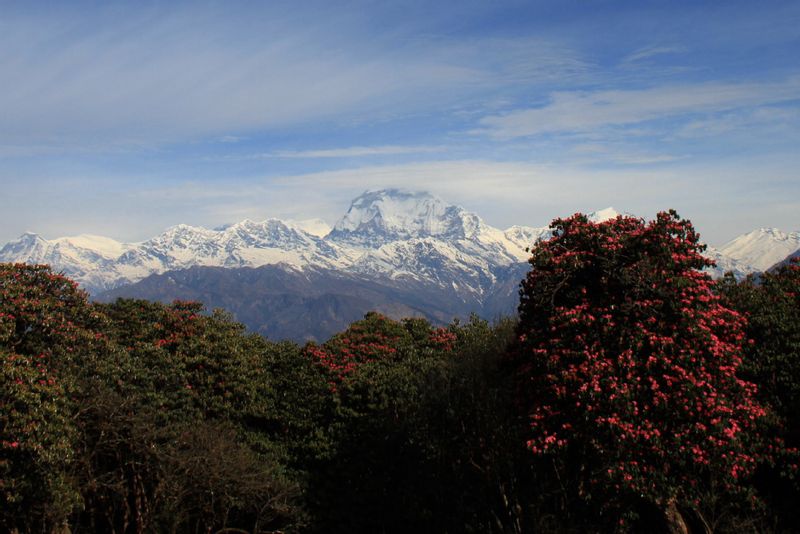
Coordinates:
582	111
600	153
356	151
190	74
333	153
769	120
651	51
132	118
175	77
231	139
724	200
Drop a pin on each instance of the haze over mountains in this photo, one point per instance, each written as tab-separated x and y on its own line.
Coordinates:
400	252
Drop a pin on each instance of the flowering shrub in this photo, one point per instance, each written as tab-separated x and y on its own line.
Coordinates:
374	338
43	318
629	362
190	357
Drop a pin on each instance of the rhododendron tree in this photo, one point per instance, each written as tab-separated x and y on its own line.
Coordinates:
43	335
628	365
375	338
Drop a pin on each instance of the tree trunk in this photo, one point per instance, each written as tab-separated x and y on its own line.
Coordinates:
674	519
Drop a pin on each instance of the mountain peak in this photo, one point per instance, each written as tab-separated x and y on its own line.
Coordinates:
392	206
603	215
377	217
29	237
387	215
105	246
762	248
316	227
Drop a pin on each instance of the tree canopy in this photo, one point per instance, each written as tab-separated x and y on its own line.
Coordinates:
629	364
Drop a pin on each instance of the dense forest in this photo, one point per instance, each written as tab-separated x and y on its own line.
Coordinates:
631	394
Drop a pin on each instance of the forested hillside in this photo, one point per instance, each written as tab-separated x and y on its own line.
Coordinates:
632	394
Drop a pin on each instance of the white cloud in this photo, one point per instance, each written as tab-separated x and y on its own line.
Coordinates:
582	111
722	200
356	151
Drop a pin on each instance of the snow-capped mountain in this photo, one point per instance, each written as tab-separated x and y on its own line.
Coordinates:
379	217
101	263
726	264
762	248
400	237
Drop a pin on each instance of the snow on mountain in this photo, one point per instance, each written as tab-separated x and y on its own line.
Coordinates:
762	248
379	217
88	259
795	256
524	237
315	227
104	246
726	264
102	263
393	212
29	247
603	215
392	235
416	236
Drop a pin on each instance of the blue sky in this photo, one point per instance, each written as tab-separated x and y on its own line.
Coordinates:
124	118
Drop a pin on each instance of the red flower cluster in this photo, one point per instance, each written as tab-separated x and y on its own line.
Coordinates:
628	355
376	338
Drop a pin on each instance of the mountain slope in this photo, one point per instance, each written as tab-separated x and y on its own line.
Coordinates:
281	302
762	248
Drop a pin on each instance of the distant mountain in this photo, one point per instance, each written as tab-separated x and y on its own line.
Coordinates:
400	251
391	233
312	304
725	264
380	217
762	248
795	256
100	264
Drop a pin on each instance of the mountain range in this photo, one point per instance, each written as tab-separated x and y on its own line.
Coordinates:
400	252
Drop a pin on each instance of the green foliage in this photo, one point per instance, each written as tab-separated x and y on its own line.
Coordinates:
43	335
619	390
425	436
377	338
771	304
183	410
36	445
133	415
474	438
373	371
